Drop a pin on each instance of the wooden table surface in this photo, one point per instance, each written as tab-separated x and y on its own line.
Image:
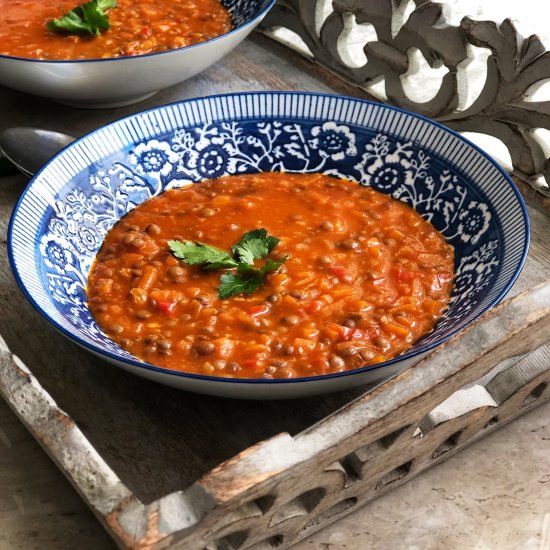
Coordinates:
495	494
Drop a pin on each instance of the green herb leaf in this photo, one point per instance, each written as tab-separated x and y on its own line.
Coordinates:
72	23
235	283
248	278
199	253
96	19
88	18
270	266
106	4
254	245
251	250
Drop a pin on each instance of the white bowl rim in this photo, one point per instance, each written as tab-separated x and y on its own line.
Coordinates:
254	21
304	379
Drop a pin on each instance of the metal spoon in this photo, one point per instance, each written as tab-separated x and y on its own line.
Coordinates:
30	148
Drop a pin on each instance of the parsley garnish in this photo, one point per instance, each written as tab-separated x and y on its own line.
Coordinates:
247	278
197	253
254	245
89	18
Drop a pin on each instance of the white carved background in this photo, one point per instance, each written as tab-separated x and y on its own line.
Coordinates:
341	34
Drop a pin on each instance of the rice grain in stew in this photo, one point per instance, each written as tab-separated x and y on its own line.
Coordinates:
366	276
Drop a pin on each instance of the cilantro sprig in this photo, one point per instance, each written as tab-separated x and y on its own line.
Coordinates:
245	277
88	18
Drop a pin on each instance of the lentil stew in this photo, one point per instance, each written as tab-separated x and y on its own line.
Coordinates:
136	27
366	276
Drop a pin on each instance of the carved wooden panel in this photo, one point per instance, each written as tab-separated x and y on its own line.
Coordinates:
503	106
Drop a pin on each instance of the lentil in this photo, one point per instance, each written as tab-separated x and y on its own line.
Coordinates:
205	347
115	328
175	271
291	320
348	351
349	244
233	367
152	229
366	354
143	314
336	362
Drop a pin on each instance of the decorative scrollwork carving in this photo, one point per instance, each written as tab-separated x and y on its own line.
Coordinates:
502	109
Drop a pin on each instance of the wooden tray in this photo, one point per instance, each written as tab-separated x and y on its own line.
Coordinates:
162	468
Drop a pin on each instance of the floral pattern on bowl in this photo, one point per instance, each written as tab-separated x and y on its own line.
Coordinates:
489	246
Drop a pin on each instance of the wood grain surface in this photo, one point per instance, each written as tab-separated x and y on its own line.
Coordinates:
494	494
156	439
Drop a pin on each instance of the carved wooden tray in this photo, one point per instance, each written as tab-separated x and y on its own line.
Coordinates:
166	469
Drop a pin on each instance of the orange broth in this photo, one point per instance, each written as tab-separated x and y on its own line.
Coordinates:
136	27
365	278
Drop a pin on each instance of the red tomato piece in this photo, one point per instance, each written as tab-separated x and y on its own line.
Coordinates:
436	281
167	307
337	270
315	306
320	362
257	311
343	333
406	276
341	272
301	312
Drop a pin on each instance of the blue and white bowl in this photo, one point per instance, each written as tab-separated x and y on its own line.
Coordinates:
114	82
62	217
